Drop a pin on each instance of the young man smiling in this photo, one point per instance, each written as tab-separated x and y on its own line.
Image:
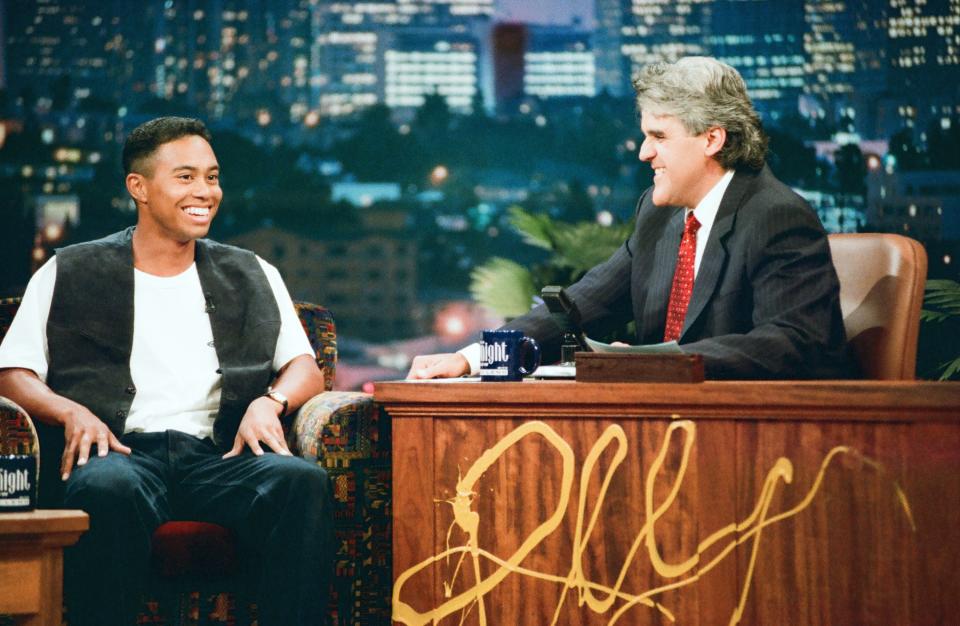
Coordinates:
725	259
159	365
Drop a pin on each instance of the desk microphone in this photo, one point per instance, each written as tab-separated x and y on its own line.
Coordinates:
566	315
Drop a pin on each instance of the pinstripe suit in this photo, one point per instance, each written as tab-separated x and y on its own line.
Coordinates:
765	302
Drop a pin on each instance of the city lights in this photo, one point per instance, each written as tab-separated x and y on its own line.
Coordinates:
439	174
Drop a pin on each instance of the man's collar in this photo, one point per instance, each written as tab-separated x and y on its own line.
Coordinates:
706	211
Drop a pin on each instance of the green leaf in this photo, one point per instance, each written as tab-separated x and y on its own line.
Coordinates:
943	284
942	300
584	245
927	315
537	229
950	369
503	286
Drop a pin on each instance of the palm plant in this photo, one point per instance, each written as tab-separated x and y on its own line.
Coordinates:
943	302
510	289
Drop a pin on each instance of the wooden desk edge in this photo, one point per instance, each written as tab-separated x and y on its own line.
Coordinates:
857	400
41	521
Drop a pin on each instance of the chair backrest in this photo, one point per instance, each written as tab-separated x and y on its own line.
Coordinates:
316	320
322	333
882	279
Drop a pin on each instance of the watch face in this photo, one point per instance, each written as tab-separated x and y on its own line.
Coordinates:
276	396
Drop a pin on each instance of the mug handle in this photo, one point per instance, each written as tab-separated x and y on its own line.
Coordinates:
529	343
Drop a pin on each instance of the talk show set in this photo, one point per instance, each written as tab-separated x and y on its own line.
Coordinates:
482	312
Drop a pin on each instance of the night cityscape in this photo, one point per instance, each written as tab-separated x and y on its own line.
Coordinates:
379	153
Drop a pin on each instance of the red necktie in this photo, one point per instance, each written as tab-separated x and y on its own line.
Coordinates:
682	280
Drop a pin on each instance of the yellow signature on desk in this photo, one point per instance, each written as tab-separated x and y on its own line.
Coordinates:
601	598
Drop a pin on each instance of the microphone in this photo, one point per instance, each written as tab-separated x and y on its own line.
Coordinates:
566	315
211	307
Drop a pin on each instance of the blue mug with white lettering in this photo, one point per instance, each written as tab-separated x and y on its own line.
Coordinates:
508	355
18	482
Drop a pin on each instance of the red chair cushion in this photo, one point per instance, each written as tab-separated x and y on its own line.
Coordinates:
194	548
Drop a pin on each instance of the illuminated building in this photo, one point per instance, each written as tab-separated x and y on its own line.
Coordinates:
558	62
925	44
846	68
924	205
765	44
79	46
346	49
209	54
763	39
612	74
388	51
425	61
635	33
924	62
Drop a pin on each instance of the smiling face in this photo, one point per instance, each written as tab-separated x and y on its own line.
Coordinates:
683	164
178	190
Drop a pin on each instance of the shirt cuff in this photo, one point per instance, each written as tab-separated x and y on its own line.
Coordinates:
472	354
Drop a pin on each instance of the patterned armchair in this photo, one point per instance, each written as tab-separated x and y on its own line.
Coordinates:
194	578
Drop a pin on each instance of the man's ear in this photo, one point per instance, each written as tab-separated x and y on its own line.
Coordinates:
136	187
716	138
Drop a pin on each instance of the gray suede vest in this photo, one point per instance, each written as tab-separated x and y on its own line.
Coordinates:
90	329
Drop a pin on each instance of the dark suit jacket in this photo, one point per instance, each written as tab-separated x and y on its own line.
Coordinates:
765	301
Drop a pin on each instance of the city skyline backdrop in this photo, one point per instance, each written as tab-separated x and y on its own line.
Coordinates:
391	140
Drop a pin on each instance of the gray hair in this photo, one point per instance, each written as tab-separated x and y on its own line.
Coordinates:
703	93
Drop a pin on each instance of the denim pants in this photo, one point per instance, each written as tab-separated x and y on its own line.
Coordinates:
279	506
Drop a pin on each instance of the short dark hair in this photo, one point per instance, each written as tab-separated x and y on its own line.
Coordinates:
144	140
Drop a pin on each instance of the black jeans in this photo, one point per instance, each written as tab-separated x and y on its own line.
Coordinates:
279	506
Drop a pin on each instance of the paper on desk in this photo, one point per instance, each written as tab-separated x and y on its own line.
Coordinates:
555	371
668	347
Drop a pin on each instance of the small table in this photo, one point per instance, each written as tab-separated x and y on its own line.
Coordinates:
31	562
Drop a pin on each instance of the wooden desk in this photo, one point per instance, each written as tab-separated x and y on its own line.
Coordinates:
31	562
721	502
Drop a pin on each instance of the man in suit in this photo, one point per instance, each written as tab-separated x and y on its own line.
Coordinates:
725	259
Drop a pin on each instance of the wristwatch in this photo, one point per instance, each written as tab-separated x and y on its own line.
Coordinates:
276	396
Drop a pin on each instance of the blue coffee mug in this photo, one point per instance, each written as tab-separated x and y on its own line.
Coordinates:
18	482
505	355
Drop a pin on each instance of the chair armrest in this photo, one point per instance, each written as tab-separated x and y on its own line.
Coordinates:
17	434
330	421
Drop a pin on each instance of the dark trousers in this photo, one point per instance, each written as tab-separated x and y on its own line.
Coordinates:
279	506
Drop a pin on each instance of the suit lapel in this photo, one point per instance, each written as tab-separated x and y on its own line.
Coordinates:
661	279
715	254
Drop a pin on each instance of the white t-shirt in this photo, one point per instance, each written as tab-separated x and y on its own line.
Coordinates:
173	362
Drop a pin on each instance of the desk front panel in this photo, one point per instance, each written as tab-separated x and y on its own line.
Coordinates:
752	503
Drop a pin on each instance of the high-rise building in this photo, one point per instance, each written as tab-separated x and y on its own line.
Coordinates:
925	45
509	43
208	54
352	41
765	43
833	59
924	63
845	44
559	62
613	75
66	48
420	62
661	30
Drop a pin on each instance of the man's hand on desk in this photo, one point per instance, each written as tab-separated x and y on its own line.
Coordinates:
438	366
